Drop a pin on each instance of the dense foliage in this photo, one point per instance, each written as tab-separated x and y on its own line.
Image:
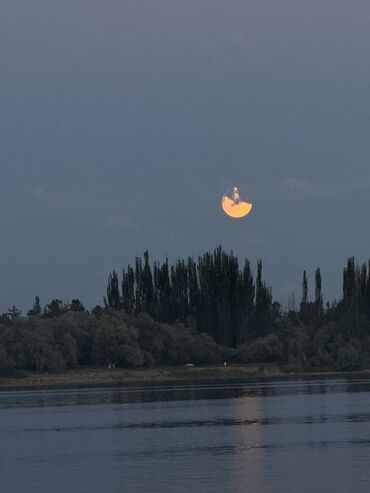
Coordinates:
204	312
214	293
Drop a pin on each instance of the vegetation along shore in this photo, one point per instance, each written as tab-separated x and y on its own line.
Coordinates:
103	377
203	312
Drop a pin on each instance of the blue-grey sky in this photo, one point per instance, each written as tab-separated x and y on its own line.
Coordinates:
122	123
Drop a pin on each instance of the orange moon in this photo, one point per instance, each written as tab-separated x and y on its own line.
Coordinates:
235	209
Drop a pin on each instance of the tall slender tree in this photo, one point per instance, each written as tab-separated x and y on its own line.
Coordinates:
304	300
318	297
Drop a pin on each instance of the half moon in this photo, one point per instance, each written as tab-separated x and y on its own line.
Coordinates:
234	209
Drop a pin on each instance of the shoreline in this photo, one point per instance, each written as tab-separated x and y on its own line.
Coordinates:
102	377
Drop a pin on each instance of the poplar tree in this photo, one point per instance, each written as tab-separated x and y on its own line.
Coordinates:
36	309
147	290
318	296
304	301
128	290
113	299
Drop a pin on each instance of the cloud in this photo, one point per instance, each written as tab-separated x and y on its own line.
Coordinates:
93	200
299	187
290	188
295	189
104	209
234	37
60	199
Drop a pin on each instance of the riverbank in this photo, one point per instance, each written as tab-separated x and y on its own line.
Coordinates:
93	377
103	376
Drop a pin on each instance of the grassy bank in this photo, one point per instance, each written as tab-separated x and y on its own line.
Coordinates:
93	377
97	377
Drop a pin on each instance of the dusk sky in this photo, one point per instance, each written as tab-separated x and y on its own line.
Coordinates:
122	124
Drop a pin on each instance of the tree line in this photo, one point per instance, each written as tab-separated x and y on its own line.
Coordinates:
215	293
203	311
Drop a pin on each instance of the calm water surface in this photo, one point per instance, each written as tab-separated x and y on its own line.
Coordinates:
283	436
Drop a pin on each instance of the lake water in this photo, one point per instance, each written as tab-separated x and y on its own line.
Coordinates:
286	436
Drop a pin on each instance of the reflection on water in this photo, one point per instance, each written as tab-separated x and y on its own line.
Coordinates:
281	436
189	391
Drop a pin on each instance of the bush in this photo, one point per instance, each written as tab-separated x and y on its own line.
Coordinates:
349	358
263	350
6	361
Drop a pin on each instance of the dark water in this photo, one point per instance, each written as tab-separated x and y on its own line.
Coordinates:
282	436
